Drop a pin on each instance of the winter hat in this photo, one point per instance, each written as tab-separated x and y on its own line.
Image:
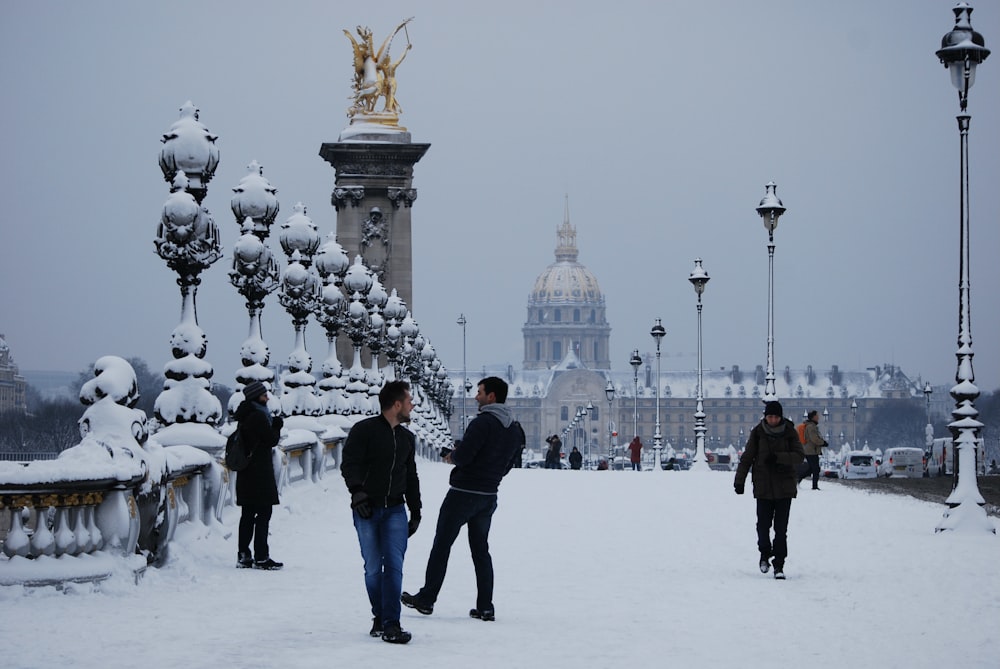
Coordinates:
773	409
253	390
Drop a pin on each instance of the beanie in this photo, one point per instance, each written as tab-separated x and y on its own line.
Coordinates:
253	390
773	409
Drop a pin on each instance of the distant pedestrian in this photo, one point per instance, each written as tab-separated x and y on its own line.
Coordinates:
812	446
380	471
256	488
635	454
575	458
553	456
772	454
519	457
482	459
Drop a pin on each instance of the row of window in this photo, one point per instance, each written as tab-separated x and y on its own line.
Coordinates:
539	316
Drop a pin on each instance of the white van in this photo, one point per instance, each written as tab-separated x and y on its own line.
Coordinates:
859	465
905	462
941	460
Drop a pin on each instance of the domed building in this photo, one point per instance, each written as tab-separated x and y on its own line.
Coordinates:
566	311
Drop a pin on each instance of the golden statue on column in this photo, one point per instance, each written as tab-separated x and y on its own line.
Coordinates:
375	78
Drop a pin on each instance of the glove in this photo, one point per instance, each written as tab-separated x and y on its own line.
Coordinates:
360	503
277	423
411	527
771	458
739	488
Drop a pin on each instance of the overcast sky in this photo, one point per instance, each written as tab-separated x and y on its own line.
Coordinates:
662	122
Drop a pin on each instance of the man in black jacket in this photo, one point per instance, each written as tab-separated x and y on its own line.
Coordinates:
483	457
380	471
256	489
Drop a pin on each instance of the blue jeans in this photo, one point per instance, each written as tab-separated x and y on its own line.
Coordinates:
383	540
458	509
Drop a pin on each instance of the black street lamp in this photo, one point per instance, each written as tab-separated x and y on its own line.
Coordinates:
636	362
609	392
854	417
962	49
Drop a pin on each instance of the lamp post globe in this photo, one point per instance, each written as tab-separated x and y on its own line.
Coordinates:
658	332
962	50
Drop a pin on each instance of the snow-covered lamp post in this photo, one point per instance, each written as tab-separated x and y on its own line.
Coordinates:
658	332
357	283
636	362
826	421
331	262
699	279
461	321
188	240
299	294
854	419
375	338
770	210
929	430
254	271
609	392
962	49
394	312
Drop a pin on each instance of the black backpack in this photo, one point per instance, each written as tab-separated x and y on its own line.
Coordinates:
237	458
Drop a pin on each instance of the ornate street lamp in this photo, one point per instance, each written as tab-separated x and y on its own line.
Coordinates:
636	362
929	430
699	279
658	333
854	418
188	240
609	392
590	431
962	49
461	321
254	271
826	421
770	210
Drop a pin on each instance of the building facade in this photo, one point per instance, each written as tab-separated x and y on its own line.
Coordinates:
12	384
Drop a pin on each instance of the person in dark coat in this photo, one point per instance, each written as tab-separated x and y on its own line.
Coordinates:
773	454
481	460
380	471
553	456
575	458
256	488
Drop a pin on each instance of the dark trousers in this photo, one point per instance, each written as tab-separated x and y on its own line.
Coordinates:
254	524
773	512
637	466
458	509
812	467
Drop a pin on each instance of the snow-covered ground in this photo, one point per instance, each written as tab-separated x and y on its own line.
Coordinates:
594	569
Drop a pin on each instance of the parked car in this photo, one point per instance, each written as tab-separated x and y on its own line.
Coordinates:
904	462
830	469
859	465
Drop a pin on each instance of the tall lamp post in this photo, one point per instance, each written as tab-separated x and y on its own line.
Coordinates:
590	423
465	381
636	362
854	418
609	391
929	430
770	210
962	49
699	279
826	421
658	332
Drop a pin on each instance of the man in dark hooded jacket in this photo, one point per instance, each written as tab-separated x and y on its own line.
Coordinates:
772	453
256	488
483	457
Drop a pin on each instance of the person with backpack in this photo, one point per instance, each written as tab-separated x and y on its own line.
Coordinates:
812	445
256	488
484	456
772	453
